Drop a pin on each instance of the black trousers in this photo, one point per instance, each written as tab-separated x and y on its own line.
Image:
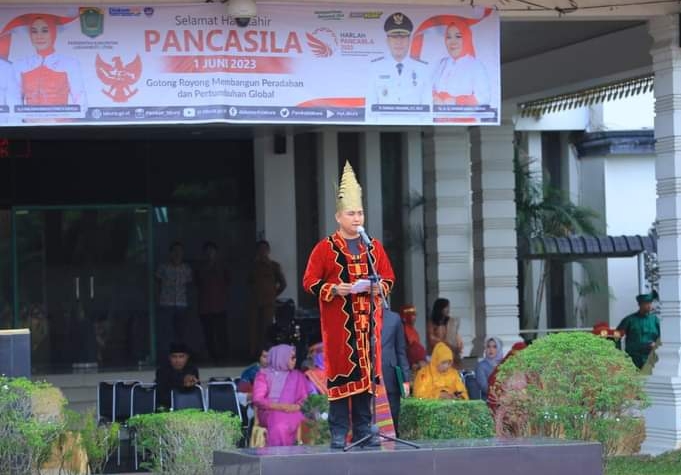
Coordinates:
169	329
215	334
394	399
339	416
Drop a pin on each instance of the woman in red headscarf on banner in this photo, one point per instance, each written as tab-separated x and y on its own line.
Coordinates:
460	78
46	78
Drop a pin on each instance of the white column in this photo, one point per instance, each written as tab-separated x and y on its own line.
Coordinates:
414	258
327	166
275	198
573	271
494	235
449	256
370	179
533	269
663	418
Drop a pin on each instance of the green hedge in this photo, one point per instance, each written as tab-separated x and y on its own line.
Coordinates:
31	422
445	419
575	386
315	430
183	442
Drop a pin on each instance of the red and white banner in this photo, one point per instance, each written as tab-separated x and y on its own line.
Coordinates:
294	63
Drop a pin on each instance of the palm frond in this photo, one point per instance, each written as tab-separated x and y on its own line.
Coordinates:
544	210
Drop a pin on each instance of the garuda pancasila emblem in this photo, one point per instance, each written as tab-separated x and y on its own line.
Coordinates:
119	77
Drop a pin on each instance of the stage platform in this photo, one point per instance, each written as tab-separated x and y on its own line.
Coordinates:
460	457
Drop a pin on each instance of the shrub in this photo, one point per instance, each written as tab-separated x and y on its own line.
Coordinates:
183	442
571	385
30	423
445	419
97	441
315	430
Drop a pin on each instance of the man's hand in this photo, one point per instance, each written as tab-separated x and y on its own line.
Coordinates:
445	395
190	380
407	388
343	289
459	343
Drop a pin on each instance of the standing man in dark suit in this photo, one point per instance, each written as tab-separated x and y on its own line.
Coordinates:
393	355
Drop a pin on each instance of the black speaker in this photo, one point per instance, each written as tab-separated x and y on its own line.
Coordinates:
15	353
279	144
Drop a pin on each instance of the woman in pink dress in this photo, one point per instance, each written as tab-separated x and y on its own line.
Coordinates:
278	394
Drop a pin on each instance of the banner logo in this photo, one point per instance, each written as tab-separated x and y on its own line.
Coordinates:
119	77
373	15
329	14
322	42
91	21
125	11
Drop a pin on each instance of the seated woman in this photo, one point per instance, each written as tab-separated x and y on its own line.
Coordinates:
316	373
248	375
278	393
493	355
439	380
441	325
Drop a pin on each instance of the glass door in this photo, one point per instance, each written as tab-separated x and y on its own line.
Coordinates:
6	310
82	285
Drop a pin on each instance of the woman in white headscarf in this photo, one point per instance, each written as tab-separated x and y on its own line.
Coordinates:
493	355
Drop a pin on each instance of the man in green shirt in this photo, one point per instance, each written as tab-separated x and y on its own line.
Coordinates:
641	329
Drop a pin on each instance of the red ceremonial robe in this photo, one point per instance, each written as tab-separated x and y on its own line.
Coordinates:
345	320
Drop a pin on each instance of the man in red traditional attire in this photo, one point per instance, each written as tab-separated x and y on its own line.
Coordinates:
335	264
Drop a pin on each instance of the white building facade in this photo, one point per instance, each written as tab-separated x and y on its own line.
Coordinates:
468	253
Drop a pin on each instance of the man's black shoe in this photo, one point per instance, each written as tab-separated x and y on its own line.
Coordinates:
373	441
337	442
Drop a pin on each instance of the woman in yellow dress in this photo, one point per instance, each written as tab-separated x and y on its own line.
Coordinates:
439	380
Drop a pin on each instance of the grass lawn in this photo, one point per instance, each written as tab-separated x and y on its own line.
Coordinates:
666	464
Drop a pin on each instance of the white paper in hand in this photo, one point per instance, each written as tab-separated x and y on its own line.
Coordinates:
360	286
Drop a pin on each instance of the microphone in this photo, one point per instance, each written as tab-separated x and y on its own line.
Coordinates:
363	235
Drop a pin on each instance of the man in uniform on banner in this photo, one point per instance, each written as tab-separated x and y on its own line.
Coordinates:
337	273
396	78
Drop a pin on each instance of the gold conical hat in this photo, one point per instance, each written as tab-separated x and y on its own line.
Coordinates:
349	193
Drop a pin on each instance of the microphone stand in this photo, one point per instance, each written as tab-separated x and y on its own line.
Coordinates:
374	280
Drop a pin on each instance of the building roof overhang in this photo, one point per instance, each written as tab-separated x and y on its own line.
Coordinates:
615	142
575	248
589	96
